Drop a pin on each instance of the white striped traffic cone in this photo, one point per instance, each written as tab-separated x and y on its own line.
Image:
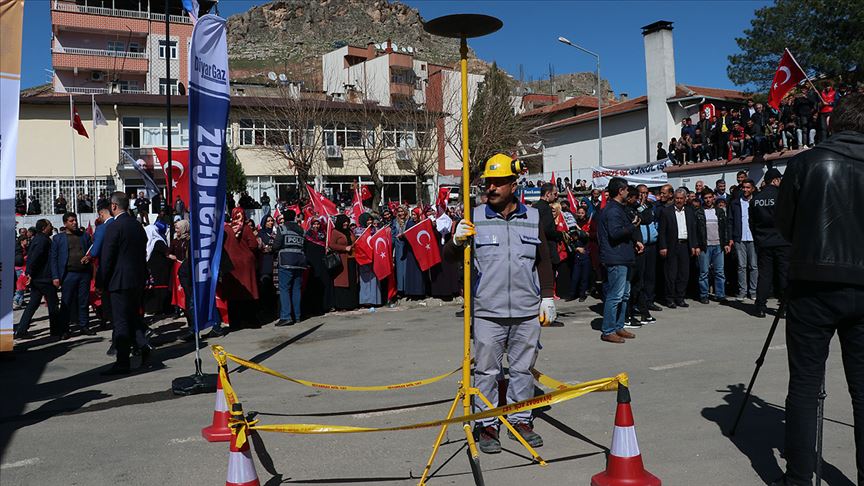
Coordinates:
218	431
241	469
624	465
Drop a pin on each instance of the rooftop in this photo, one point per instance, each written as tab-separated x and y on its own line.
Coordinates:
576	101
682	92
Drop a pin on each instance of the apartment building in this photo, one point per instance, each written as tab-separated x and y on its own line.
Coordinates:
118	46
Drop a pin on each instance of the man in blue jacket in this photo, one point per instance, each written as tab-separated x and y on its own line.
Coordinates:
70	271
618	255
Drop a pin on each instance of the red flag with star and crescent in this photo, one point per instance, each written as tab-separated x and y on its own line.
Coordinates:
75	119
788	75
322	205
177	170
363	247
422	240
382	256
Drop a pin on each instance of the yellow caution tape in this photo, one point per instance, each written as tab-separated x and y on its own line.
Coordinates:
554	384
263	369
239	424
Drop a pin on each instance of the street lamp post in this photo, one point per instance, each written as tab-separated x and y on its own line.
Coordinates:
564	40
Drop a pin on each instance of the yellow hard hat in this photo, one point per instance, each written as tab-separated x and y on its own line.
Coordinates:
500	165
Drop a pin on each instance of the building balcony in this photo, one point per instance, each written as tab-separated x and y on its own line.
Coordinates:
100	52
65	6
86	90
98	60
401	89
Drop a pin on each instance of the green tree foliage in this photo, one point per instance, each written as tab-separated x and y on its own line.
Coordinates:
235	181
825	36
492	125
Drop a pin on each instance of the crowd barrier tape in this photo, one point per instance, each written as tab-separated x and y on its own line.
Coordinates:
554	384
220	353
240	425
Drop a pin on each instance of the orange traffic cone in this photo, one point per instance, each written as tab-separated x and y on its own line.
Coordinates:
241	469
624	465
218	431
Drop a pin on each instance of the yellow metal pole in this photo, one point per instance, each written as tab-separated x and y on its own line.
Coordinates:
466	205
438	441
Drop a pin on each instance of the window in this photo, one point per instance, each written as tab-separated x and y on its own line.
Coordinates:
405	136
402	76
172	46
165	82
260	132
152	132
346	135
131	132
116	46
134	47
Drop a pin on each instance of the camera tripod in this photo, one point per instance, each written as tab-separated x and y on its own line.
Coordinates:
820	410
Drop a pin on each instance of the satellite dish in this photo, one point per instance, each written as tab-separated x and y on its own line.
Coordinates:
271	76
283	78
394	46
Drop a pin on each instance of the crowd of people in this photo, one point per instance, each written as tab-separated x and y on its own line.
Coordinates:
756	129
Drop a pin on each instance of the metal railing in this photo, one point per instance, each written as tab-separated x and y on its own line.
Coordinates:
100	52
85	90
116	12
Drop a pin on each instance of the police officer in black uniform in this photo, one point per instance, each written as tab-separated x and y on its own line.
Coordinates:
772	250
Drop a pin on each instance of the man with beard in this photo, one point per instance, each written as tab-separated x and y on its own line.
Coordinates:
514	284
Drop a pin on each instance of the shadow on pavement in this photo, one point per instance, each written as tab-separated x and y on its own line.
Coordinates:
258	358
760	432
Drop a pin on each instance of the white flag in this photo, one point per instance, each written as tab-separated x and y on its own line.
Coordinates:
98	117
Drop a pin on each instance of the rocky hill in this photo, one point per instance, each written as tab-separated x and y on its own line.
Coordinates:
573	84
291	35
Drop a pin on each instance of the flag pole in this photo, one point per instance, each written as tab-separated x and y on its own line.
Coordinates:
805	74
74	165
93	110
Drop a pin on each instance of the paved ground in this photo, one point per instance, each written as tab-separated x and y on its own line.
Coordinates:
63	423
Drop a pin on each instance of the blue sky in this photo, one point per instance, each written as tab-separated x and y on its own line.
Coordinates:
704	32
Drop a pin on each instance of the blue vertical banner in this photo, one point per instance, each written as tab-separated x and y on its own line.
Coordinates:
209	102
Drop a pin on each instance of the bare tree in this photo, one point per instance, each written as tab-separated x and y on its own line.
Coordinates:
419	143
291	132
493	125
368	118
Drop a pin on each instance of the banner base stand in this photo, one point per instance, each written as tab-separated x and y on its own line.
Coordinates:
194	384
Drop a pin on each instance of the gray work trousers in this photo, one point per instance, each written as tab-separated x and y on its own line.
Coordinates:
519	336
746	253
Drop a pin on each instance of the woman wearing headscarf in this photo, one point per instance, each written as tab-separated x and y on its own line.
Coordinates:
318	295
415	280
239	284
345	292
397	227
370	292
157	295
266	290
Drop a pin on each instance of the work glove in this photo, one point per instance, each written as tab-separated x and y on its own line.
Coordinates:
548	313
464	230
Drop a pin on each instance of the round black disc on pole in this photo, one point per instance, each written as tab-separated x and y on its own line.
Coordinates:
463	25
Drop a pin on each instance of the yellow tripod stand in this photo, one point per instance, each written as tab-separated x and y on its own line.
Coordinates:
463	26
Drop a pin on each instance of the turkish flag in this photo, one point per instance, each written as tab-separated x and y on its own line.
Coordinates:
295	208
177	171
357	207
552	180
382	257
788	75
572	201
363	247
90	229
178	296
321	204
420	237
442	200
75	119
365	193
